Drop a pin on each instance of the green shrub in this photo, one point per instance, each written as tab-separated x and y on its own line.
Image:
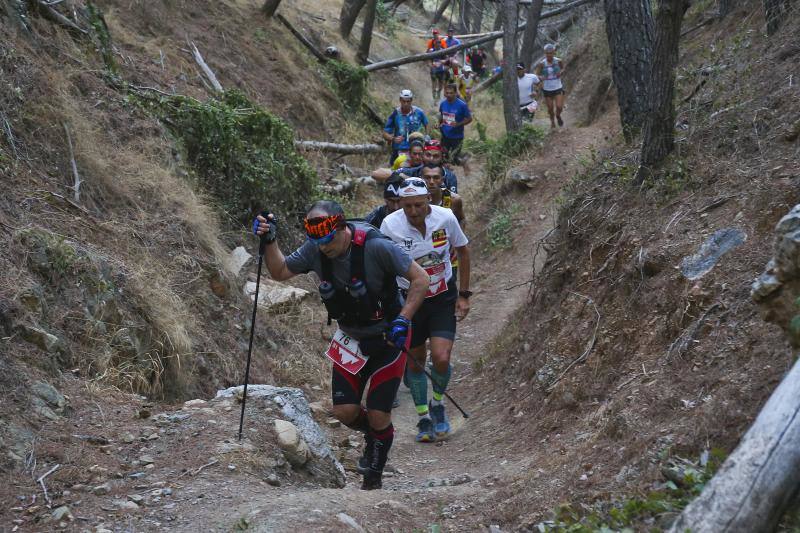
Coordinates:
499	153
240	153
349	82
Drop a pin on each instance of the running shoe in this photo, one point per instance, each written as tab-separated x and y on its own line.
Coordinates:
441	425
372	480
560	122
362	466
426	433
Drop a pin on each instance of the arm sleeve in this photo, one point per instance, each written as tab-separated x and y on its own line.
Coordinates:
302	259
457	236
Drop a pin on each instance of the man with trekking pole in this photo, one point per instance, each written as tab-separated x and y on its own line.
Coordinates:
357	268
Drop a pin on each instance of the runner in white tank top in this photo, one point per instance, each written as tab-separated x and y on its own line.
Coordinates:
551	70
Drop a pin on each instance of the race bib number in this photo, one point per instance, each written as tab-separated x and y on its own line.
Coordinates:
437	284
345	352
449	118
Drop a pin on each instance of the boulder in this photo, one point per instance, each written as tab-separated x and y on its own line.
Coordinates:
237	259
44	340
711	251
294	447
294	407
272	294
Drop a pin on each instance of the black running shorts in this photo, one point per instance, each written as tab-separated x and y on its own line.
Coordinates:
436	317
385	368
551	94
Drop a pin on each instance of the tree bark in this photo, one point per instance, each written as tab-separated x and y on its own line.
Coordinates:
440	11
17	12
629	28
464	15
531	31
366	33
348	16
659	126
496	27
477	18
270	6
492	36
510	91
760	479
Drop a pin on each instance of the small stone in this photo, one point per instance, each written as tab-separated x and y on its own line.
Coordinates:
153	436
196	403
62	513
542	217
146	459
138	499
102	490
125	505
231	467
390	504
349	521
318	408
333	423
127	437
294	447
584	477
273	480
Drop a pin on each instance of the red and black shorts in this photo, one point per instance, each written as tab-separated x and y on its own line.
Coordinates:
384	370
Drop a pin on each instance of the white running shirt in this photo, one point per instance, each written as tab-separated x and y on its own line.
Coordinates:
432	250
525	86
551	72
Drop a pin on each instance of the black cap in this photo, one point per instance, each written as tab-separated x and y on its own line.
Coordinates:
521	65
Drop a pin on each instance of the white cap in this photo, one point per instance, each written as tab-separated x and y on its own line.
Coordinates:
467	68
549	47
413	187
406	93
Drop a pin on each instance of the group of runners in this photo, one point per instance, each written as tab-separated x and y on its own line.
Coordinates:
449	70
398	281
546	77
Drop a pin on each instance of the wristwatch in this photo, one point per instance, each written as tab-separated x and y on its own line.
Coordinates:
465	294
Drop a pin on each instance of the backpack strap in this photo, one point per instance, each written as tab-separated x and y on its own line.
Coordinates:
357	253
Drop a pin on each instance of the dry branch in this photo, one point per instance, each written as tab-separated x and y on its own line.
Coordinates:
41	482
210	76
57	17
346	149
76	186
302	38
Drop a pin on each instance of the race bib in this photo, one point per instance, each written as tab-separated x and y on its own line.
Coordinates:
345	352
449	118
437	284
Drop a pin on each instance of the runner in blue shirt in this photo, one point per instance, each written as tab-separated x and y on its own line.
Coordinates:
404	120
454	114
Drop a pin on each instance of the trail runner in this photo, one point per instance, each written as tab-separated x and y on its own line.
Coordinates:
454	114
528	86
402	122
551	69
428	233
357	268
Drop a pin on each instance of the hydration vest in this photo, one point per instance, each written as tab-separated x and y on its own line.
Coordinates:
345	304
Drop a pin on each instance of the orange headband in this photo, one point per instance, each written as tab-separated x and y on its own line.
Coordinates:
319	227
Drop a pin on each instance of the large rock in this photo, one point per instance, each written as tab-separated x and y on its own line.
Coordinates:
294	407
718	244
237	259
272	294
294	447
44	340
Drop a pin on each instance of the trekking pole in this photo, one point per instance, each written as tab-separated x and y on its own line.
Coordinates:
261	246
416	363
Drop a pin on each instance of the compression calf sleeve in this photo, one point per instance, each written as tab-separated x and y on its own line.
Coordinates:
418	384
440	382
381	444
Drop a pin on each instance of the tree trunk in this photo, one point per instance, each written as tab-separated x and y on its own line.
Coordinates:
348	16
760	479
629	27
339	148
440	12
531	30
659	126
270	6
477	18
302	38
496	27
464	15
366	34
510	91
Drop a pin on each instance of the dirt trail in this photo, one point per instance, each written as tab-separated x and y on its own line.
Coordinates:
439	483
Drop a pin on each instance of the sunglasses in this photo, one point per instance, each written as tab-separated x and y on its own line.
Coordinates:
414	182
322	230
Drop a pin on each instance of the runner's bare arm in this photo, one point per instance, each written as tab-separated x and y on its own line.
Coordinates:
276	262
458	210
462	304
418	278
563	69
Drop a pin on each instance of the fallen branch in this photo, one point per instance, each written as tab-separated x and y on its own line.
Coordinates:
41	482
680	344
492	36
58	18
209	74
589	346
302	38
76	187
697	27
347	149
210	463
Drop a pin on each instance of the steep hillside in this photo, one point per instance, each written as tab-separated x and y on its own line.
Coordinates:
628	354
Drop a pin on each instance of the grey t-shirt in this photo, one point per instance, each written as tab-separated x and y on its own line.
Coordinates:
382	257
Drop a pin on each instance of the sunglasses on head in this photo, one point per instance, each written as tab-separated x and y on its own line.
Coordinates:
322	230
413	182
